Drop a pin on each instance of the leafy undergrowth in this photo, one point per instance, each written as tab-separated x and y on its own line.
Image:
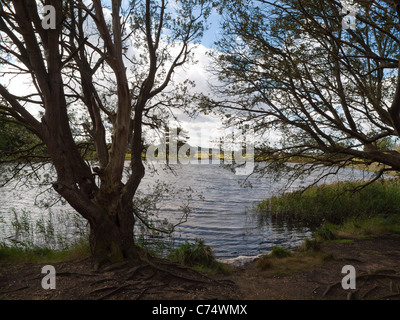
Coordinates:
198	256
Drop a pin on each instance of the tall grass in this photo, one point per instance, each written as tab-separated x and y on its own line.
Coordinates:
59	231
335	203
16	254
27	237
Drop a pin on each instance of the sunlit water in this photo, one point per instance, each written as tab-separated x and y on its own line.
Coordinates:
222	217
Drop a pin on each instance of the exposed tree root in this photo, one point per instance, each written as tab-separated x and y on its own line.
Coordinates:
151	274
14	290
134	271
101	281
370	275
113	292
370	291
78	274
390	296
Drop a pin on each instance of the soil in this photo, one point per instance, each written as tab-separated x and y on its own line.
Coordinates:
376	261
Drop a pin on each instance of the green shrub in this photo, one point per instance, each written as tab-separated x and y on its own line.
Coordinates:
192	254
310	244
326	232
280	252
198	255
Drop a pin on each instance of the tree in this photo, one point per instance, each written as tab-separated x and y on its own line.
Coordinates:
332	93
16	141
115	68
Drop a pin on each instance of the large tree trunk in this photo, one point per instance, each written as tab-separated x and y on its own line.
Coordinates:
112	241
111	220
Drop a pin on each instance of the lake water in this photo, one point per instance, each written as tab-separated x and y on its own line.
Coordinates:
222	217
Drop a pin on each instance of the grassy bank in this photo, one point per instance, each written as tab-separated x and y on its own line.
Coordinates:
339	212
338	204
195	255
281	261
42	241
17	255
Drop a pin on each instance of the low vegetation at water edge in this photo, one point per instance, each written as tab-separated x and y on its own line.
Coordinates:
195	255
17	254
281	261
337	204
199	256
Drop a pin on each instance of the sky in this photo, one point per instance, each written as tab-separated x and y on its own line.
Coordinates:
214	30
206	128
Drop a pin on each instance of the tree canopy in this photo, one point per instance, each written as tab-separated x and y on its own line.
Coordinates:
330	93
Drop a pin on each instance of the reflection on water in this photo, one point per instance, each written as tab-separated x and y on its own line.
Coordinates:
221	217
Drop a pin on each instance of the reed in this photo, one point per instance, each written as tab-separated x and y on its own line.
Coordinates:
336	204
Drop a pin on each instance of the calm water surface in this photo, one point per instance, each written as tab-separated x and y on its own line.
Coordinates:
222	217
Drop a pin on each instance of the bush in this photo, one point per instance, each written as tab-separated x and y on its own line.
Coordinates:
280	252
326	232
193	254
311	245
198	255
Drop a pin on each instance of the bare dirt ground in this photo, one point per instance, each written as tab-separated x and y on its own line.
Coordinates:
376	260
